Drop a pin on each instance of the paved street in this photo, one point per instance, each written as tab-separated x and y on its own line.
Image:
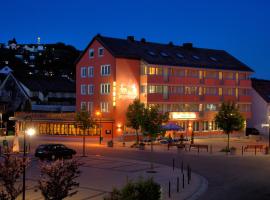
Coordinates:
229	177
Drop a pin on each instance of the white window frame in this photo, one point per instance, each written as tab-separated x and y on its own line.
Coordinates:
100	48
90	71
105	88
105	70
104	106
83	104
90	52
90	106
83	89
90	89
83	72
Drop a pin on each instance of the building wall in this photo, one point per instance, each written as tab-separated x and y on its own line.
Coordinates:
259	109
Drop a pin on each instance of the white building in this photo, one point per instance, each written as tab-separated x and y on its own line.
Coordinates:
260	106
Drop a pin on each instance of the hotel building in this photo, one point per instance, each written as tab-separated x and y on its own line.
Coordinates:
190	83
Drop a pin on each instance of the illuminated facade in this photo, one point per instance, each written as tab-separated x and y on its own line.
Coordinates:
189	83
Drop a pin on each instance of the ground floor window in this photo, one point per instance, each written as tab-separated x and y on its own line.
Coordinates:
205	126
195	126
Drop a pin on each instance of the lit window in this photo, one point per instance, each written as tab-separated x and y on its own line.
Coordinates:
91	89
91	53
105	70
104	106
83	89
83	72
105	88
100	51
90	71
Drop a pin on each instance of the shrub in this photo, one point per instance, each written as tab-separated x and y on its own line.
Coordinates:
58	179
140	190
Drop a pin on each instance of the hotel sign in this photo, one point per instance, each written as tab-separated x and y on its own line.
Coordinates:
127	91
183	115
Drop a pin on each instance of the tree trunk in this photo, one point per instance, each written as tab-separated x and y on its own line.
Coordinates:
137	137
152	164
228	142
84	143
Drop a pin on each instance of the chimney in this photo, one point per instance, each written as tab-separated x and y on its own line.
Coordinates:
188	45
131	38
143	40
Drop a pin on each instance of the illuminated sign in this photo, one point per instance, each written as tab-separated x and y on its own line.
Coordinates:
128	91
183	115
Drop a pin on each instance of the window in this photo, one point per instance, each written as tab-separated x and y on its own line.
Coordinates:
205	126
229	75
164	54
177	90
90	106
83	105
211	91
83	72
229	91
211	74
191	90
211	107
155	71
192	107
151	53
193	73
83	89
143	89
104	106
196	57
105	70
244	107
213	58
177	72
195	126
105	88
91	71
214	126
244	92
91	89
100	51
91	53
179	55
155	89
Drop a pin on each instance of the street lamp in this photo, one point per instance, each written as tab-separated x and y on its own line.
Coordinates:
98	114
30	132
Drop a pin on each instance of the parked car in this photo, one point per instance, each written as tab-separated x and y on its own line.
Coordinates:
252	131
54	151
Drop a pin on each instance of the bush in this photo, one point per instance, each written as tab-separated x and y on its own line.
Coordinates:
140	190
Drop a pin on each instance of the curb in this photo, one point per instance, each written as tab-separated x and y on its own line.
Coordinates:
201	189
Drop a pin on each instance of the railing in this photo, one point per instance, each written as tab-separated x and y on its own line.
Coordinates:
65	116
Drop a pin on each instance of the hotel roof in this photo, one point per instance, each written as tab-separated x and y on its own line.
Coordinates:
170	54
262	87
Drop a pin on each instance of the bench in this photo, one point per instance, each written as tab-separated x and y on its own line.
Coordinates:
199	146
254	146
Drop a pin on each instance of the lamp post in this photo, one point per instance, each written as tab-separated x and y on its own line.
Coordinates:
98	114
30	132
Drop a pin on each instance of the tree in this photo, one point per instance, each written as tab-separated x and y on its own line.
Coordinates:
152	123
58	179
11	169
134	116
142	189
84	121
229	119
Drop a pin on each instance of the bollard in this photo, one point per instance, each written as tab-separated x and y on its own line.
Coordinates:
169	189
198	149
182	167
183	181
188	173
177	184
211	149
173	164
242	150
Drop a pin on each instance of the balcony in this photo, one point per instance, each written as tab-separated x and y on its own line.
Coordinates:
229	82
155	97
244	99
211	82
184	80
245	83
229	98
212	98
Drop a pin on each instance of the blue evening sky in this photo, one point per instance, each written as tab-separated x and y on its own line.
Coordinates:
241	27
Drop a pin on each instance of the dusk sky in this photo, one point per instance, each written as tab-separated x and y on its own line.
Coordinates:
241	27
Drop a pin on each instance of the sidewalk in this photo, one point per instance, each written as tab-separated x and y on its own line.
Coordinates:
101	174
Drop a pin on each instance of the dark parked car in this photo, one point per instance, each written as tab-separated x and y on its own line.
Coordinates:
54	151
252	131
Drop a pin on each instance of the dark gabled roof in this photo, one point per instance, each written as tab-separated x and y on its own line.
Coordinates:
262	87
47	84
169	54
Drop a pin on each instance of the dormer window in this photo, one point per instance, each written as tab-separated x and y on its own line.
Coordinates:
213	58
100	51
196	57
164	54
151	53
179	55
91	53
